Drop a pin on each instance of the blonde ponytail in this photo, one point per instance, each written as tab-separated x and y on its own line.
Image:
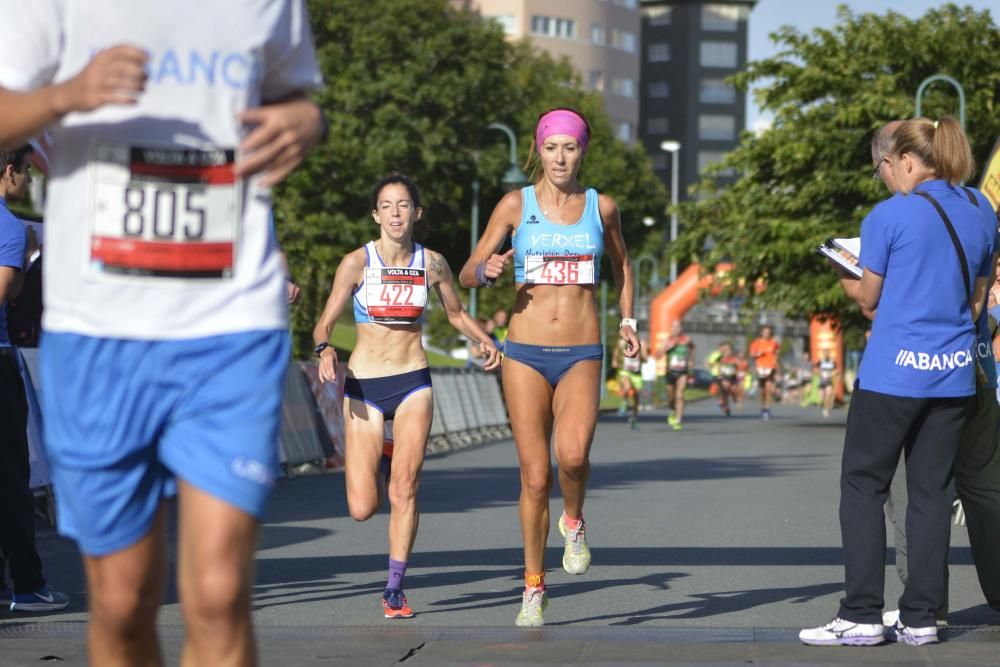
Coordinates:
941	145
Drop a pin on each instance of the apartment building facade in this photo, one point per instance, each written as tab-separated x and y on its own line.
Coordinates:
689	47
601	38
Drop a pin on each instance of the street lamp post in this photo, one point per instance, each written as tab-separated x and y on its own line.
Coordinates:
674	148
947	79
513	177
654	275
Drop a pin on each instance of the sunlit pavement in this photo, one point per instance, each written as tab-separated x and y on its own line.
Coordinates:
712	545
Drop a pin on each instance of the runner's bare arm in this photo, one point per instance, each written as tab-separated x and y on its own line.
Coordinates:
346	280
441	278
621	267
283	134
116	75
503	220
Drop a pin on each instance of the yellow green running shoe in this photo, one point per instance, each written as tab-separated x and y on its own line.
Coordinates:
533	603
576	557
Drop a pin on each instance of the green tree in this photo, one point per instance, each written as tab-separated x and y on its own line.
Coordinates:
809	176
411	86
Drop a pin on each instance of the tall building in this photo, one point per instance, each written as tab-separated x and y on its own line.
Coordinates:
599	37
689	47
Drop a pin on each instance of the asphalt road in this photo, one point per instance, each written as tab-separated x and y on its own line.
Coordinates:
712	545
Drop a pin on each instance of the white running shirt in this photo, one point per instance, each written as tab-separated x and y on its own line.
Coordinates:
148	233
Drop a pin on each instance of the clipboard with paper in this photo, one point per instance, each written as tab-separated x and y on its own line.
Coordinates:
832	247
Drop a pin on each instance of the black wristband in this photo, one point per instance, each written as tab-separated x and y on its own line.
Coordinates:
320	347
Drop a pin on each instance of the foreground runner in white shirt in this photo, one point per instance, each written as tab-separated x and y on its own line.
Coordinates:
165	340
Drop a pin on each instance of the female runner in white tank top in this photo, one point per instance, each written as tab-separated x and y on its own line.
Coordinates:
387	376
552	364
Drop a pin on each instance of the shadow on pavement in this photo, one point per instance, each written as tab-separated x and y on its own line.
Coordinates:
282	581
487	599
464	489
714	604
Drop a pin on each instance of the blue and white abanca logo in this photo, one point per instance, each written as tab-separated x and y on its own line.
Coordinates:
192	67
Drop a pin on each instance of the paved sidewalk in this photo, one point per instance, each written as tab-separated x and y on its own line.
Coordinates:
713	545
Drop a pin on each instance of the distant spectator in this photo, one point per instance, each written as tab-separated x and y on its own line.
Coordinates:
500	326
17	516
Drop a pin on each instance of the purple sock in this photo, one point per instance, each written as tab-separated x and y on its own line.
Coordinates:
397	570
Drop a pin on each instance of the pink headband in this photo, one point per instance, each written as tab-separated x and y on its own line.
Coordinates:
561	121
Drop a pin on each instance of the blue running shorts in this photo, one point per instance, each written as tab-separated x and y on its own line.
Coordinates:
123	418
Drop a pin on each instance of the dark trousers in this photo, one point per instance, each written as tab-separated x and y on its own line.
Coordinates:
977	483
927	432
17	508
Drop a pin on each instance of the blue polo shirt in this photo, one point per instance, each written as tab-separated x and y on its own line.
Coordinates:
12	241
923	340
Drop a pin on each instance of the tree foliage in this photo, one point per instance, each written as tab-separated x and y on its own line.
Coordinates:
411	86
809	176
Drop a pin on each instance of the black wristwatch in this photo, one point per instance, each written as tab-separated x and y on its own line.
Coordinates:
319	348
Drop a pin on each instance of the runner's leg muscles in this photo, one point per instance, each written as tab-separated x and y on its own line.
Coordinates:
215	574
529	401
575	406
125	589
682	382
410	429
363	436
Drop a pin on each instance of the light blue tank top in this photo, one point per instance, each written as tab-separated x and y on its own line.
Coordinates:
552	254
389	294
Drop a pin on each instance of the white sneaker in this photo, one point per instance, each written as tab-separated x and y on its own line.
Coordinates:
904	634
533	603
576	555
891	618
839	632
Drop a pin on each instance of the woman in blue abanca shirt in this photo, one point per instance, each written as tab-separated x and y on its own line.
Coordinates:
927	257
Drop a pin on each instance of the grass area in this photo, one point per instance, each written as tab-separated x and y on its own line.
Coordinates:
345	337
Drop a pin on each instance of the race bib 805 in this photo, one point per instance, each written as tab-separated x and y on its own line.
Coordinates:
164	212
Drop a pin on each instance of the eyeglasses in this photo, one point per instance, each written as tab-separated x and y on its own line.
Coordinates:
877	172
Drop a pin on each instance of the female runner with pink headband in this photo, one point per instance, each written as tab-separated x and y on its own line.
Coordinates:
553	351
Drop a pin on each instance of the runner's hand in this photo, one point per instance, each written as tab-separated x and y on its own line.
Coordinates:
497	264
115	75
283	133
328	365
294	292
631	342
489	351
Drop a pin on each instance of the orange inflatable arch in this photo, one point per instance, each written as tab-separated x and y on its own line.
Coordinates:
677	299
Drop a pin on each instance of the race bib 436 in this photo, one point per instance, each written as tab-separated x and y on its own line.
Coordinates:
164	212
559	269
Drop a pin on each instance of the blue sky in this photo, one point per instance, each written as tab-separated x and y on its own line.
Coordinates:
769	15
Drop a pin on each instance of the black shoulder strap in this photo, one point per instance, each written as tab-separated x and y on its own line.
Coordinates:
954	238
971	197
